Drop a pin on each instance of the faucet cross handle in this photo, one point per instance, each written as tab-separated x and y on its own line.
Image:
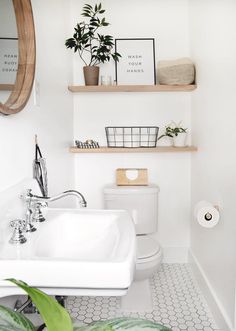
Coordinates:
27	196
19	226
37	215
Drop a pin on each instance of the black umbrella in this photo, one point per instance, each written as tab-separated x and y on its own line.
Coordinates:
40	170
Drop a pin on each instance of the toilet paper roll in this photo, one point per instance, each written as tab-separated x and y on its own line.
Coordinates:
206	214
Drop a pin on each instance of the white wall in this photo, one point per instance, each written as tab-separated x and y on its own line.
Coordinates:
212	29
212	35
52	121
167	22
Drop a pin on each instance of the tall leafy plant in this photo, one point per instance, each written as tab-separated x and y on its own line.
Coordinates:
56	318
92	47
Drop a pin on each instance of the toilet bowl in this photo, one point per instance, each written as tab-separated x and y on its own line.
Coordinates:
142	204
149	257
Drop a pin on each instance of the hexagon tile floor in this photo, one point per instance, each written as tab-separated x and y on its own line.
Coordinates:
177	302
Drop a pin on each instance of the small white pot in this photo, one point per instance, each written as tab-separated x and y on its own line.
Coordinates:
166	141
180	140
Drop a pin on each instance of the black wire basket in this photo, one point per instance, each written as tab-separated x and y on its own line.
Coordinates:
132	136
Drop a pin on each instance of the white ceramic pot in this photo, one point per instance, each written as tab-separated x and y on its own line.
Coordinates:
180	140
165	141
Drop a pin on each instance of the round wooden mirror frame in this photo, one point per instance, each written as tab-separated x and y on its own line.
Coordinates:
26	59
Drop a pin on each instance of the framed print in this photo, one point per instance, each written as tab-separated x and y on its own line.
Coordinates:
137	63
8	60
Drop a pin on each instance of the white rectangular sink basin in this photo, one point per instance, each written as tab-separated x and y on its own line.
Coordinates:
74	252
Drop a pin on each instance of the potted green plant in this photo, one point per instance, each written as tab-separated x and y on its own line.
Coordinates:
56	318
93	48
176	133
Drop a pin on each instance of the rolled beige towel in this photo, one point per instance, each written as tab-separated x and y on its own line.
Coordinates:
176	72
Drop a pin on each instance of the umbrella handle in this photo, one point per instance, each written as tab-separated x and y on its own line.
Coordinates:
37	149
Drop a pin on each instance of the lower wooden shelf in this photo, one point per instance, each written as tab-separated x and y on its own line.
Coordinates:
159	149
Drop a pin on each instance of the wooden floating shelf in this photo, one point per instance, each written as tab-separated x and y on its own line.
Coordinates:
6	87
159	149
133	88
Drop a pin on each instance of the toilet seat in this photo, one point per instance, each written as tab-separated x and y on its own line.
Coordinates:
149	257
147	248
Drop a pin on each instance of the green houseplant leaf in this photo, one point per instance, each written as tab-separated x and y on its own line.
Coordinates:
8	328
173	130
14	321
55	316
123	323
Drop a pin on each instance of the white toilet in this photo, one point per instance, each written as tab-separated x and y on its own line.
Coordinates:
142	203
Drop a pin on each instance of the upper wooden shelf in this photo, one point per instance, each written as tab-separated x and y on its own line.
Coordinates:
6	87
132	88
159	149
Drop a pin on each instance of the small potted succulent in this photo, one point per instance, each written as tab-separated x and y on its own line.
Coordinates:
176	133
92	47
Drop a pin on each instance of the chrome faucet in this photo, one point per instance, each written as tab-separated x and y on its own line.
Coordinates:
36	202
42	200
29	226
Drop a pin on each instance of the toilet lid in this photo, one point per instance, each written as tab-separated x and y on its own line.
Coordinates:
146	247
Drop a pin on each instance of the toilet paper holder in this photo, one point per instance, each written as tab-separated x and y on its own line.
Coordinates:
207	214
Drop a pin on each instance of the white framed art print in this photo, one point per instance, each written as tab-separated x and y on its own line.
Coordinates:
137	63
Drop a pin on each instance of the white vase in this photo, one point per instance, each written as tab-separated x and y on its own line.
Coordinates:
180	140
165	141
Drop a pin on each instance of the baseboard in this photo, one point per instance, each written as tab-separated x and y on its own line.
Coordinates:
175	254
235	309
214	303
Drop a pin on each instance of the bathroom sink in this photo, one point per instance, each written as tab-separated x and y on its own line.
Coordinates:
87	236
74	252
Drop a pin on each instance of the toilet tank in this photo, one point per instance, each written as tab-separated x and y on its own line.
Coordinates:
140	201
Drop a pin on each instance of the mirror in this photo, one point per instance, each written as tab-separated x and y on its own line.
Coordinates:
24	50
8	49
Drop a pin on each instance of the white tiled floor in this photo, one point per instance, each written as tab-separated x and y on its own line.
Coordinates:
177	302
